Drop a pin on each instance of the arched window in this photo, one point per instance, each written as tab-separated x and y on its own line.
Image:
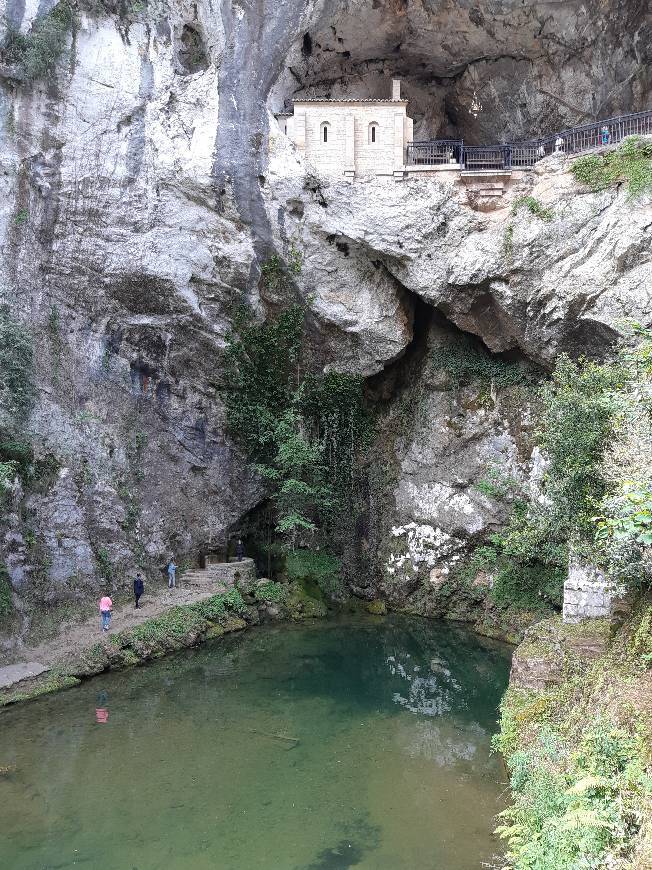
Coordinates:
323	132
373	133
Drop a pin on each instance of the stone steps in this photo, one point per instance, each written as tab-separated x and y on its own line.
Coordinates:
226	575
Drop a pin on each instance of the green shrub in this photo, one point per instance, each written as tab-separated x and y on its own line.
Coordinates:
37	52
104	565
271	591
17	389
631	162
310	566
570	810
533	585
534	207
216	606
628	514
498	485
6	597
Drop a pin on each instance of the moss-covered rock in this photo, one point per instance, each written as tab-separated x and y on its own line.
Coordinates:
303	604
576	732
376	607
552	651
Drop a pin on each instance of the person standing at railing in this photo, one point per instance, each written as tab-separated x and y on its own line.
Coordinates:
541	152
559	145
604	135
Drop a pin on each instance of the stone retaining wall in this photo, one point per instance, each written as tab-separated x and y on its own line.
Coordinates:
587	594
241	575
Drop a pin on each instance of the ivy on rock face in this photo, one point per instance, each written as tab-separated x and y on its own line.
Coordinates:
17	390
465	360
305	432
260	377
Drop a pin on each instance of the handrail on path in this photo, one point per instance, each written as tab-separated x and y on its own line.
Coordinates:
524	155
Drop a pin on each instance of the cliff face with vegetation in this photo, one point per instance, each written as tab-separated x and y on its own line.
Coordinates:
369	381
148	194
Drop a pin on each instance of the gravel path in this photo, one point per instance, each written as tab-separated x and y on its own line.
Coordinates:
74	637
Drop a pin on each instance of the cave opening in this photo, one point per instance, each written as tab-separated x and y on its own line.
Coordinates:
474	72
191	52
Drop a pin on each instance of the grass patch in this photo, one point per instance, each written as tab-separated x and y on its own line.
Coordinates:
54	681
535	208
179	622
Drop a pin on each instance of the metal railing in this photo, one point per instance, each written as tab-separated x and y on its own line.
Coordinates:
524	155
434	153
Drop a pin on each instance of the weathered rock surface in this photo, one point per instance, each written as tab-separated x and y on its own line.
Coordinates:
141	194
516	281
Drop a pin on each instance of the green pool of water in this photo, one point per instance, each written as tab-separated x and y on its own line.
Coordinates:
390	768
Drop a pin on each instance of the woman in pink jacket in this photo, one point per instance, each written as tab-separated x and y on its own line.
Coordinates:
106	606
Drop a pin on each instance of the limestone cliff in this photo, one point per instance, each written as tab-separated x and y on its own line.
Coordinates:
146	184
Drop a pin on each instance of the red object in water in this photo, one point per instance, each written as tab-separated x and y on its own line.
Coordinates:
101	715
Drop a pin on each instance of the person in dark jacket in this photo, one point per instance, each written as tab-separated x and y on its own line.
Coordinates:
139	588
239	550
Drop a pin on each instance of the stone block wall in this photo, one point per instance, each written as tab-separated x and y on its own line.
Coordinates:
588	594
349	148
239	574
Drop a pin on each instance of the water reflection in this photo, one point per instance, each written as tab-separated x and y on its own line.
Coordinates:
102	707
430	695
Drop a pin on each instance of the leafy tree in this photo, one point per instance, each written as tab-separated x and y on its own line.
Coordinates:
299	478
529	558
